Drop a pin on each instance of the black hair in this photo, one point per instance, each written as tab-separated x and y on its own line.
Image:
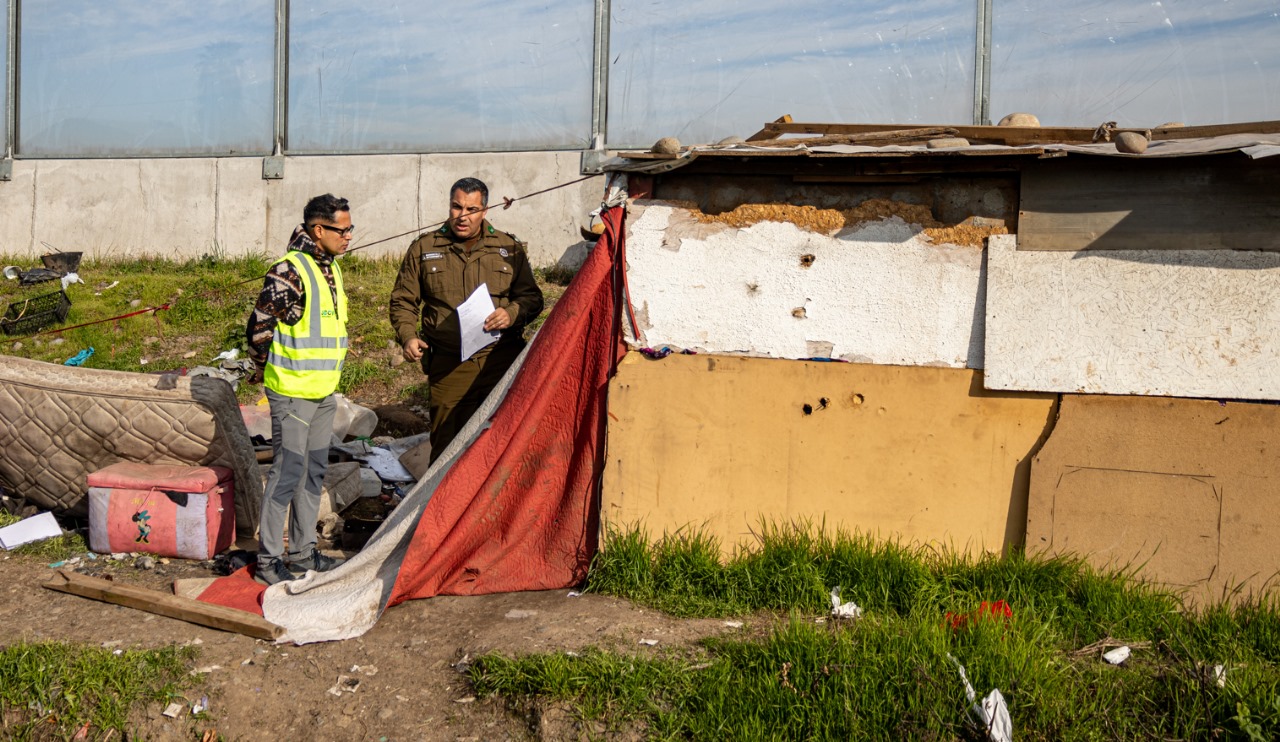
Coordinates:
472	185
324	208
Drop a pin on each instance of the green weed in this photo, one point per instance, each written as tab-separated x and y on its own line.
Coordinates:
52	690
52	550
1193	674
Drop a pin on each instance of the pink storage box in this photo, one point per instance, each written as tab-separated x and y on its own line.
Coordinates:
178	511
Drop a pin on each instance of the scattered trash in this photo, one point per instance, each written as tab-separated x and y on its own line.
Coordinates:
466	699
733	624
172	710
657	354
79	358
227	355
843	610
111	285
574	594
55	565
992	713
1117	655
366	670
37	275
206	669
345	684
1220	675
200	706
987	610
649	642
520	613
144	562
12	272
69	279
36	528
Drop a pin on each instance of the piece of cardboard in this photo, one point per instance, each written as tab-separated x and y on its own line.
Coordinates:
1179	490
417	459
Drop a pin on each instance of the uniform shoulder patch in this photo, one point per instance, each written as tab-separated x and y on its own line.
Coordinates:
491	229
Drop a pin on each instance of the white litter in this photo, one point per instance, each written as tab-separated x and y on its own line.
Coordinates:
574	594
172	710
112	285
843	610
36	528
1220	675
228	355
649	642
733	624
1117	655
991	712
71	278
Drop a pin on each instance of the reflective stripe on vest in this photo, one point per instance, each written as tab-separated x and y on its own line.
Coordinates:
306	358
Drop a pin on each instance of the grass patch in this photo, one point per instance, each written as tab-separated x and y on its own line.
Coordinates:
65	546
888	675
209	302
52	690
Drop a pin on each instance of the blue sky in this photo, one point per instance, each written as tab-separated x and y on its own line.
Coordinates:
139	76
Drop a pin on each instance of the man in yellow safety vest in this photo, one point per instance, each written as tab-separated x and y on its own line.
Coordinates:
297	337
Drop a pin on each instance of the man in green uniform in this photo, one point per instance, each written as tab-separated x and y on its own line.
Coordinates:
439	271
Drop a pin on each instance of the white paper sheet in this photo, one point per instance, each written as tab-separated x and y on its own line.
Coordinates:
471	317
35	528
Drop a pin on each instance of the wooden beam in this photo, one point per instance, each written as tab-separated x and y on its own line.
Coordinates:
153	601
1023	134
768	132
871	138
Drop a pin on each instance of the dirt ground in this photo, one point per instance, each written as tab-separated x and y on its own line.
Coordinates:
408	667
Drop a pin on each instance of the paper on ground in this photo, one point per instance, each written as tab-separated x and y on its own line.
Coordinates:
1117	655
471	316
992	712
35	528
843	610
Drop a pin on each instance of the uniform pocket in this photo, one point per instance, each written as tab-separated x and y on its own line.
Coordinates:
434	278
498	274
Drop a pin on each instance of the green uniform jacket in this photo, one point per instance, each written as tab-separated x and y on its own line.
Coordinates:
437	275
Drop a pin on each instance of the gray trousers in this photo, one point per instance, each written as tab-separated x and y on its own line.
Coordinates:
300	434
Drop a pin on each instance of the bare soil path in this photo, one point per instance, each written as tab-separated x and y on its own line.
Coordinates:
408	667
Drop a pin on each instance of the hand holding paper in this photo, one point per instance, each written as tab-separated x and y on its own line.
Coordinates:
472	314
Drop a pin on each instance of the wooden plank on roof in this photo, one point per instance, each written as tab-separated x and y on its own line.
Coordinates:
1217	203
1023	134
767	133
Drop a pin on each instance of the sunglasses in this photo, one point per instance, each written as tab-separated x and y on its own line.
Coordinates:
343	232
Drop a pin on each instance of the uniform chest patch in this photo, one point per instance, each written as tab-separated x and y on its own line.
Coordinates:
433	256
502	251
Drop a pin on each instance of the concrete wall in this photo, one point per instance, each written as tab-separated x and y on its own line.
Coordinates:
1180	323
187	207
880	292
718	442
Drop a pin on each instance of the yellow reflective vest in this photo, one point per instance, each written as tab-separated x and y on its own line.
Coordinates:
306	358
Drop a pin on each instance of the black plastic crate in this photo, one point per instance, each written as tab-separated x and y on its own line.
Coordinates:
26	316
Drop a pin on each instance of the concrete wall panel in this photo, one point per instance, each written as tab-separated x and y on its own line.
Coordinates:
17	204
720	441
1152	322
878	293
186	207
125	207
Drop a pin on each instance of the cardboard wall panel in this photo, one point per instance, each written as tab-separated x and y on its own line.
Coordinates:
1182	490
719	442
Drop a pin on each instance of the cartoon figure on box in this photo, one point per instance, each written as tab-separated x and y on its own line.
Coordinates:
144	529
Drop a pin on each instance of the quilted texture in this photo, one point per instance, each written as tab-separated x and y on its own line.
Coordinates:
59	423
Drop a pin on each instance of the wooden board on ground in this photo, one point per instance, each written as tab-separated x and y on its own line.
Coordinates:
1224	202
152	601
